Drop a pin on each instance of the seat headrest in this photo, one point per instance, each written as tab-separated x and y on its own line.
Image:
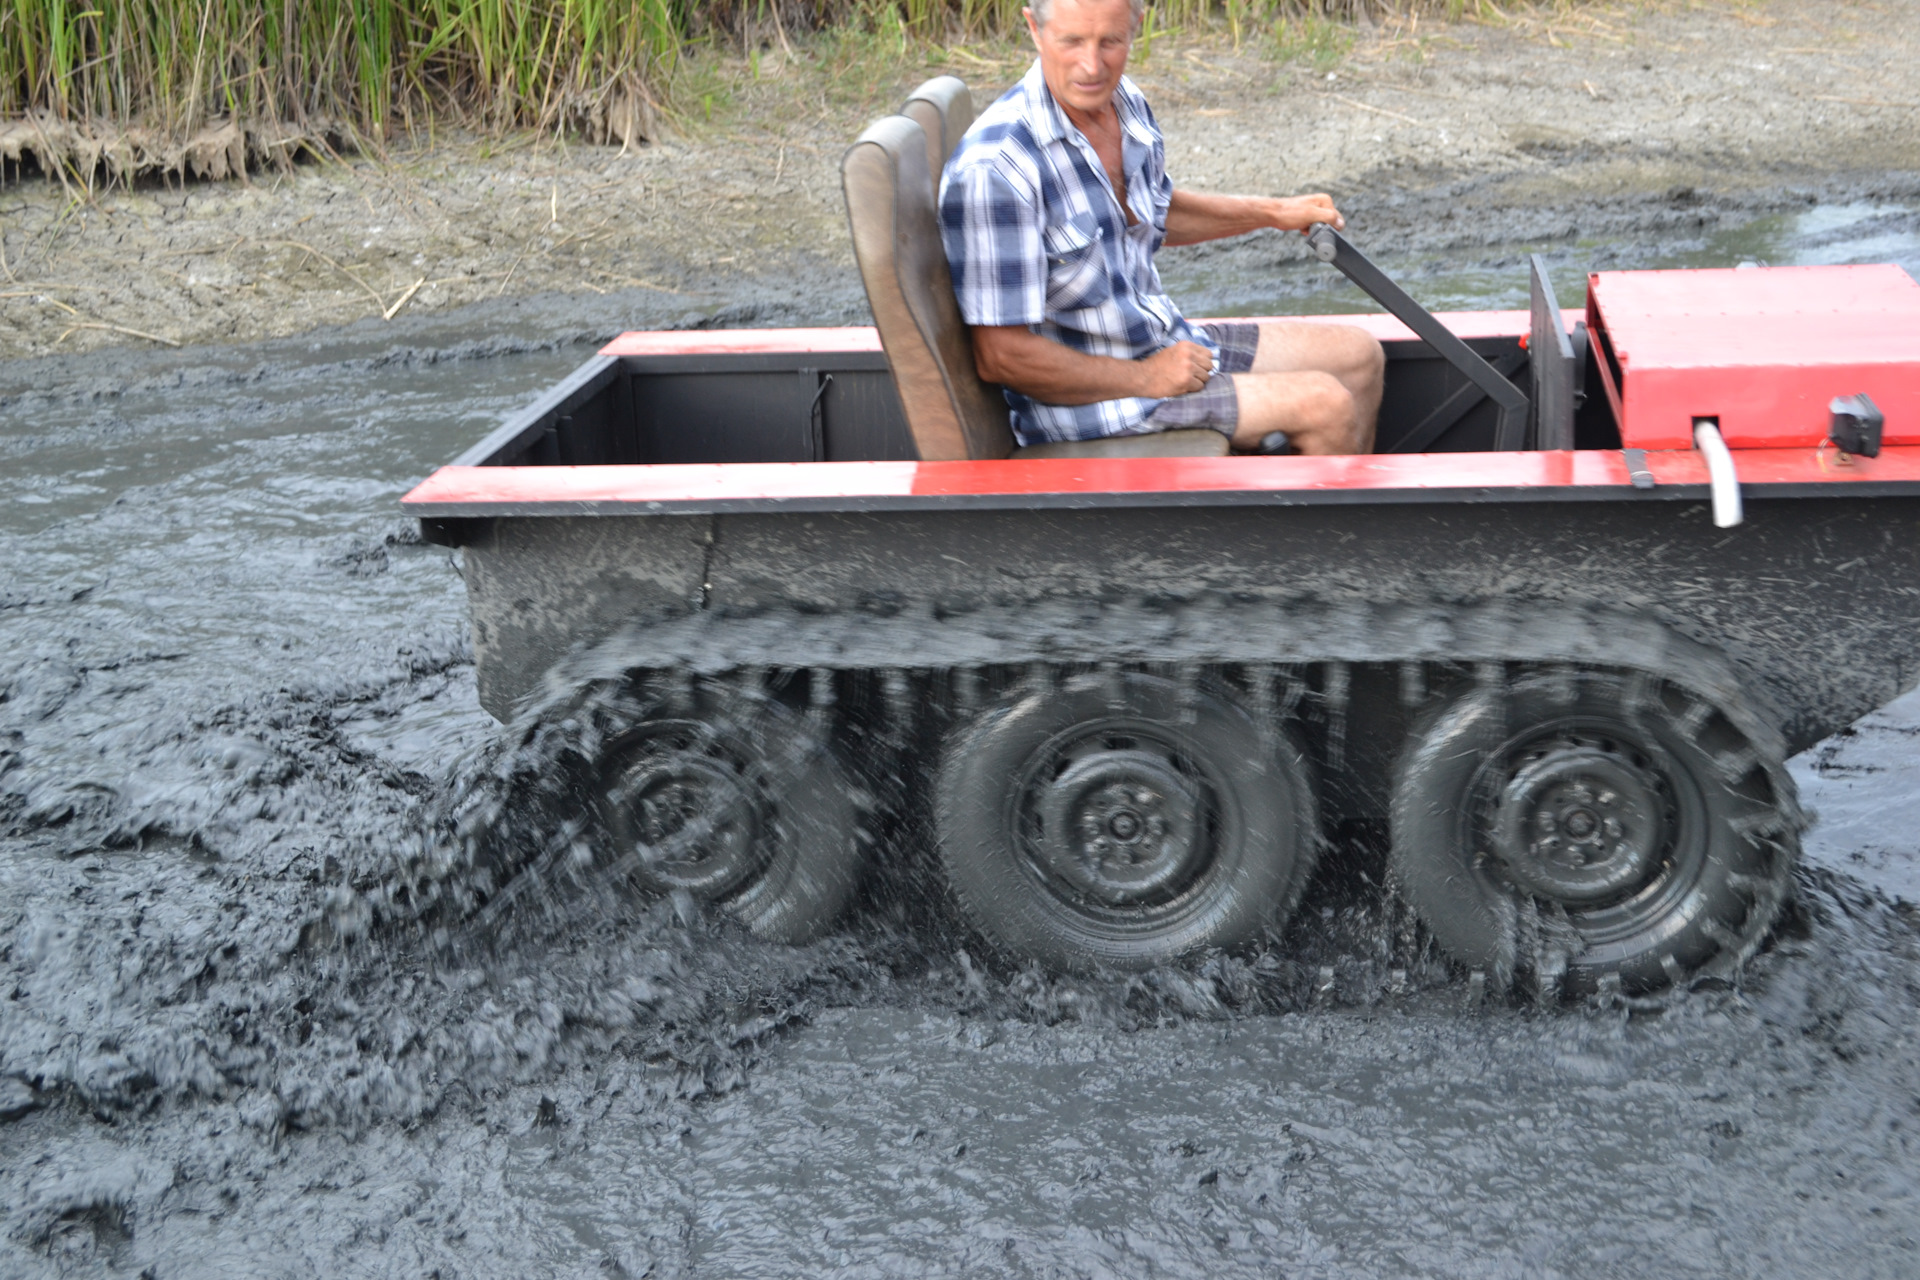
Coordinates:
943	108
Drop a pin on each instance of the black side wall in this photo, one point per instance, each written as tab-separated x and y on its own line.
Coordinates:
1815	601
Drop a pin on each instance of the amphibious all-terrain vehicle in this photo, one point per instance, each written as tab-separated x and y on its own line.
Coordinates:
1556	638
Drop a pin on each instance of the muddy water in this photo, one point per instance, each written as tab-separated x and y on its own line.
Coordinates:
1451	263
234	682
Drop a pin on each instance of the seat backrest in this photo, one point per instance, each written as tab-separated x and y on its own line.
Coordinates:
943	108
896	240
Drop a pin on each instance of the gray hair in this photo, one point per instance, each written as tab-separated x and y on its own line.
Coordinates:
1043	9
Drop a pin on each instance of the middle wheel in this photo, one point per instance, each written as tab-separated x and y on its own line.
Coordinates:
1116	821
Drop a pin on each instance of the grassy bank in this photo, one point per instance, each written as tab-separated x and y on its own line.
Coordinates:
599	68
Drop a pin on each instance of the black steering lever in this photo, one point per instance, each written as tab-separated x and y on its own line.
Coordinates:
1331	247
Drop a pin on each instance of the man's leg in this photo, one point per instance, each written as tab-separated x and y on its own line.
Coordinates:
1346	351
1316	410
1319	383
1287	388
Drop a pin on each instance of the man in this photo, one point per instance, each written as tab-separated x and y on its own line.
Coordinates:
1051	211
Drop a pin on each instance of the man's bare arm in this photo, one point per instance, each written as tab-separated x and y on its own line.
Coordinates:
1195	216
1053	373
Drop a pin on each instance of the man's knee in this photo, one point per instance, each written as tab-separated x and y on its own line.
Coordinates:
1328	414
1361	353
1376	358
1317	410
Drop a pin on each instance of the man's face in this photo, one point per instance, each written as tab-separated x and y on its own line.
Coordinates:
1083	50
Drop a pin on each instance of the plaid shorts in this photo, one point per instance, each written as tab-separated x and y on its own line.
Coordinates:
1215	405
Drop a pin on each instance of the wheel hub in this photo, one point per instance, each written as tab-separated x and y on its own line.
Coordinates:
1122	826
687	810
1579	824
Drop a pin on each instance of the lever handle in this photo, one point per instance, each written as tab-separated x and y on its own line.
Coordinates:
1324	241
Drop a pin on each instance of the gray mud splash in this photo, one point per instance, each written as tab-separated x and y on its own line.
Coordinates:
235	695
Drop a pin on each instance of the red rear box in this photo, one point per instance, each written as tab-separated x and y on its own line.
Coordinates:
1763	350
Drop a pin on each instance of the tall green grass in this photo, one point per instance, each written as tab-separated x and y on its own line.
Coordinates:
547	64
368	63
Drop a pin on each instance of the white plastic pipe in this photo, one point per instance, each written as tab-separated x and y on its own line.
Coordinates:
1721	477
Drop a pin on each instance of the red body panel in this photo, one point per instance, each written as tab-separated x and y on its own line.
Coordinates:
1762	350
474	491
690	342
687	342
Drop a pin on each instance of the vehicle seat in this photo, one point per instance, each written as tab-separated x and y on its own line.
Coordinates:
889	184
943	108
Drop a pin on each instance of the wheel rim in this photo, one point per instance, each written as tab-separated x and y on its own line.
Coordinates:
1579	824
1593	817
1117	820
1122	826
684	807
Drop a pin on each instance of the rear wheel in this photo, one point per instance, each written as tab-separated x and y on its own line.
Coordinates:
743	806
1119	821
1592	828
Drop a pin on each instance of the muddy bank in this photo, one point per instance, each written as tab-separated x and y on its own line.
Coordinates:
1446	136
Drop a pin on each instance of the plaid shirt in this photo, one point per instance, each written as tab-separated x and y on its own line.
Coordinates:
1035	236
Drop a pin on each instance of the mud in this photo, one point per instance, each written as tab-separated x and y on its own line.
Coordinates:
236	695
235	685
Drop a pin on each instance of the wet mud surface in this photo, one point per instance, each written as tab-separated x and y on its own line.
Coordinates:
234	684
235	691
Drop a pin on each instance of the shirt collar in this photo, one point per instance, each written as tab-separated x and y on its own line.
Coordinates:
1049	122
1044	116
1132	105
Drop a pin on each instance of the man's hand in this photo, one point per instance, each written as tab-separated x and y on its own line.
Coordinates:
1177	370
1193	216
1053	373
1300	213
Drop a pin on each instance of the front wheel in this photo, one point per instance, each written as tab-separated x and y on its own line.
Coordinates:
1117	821
1594	828
741	805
